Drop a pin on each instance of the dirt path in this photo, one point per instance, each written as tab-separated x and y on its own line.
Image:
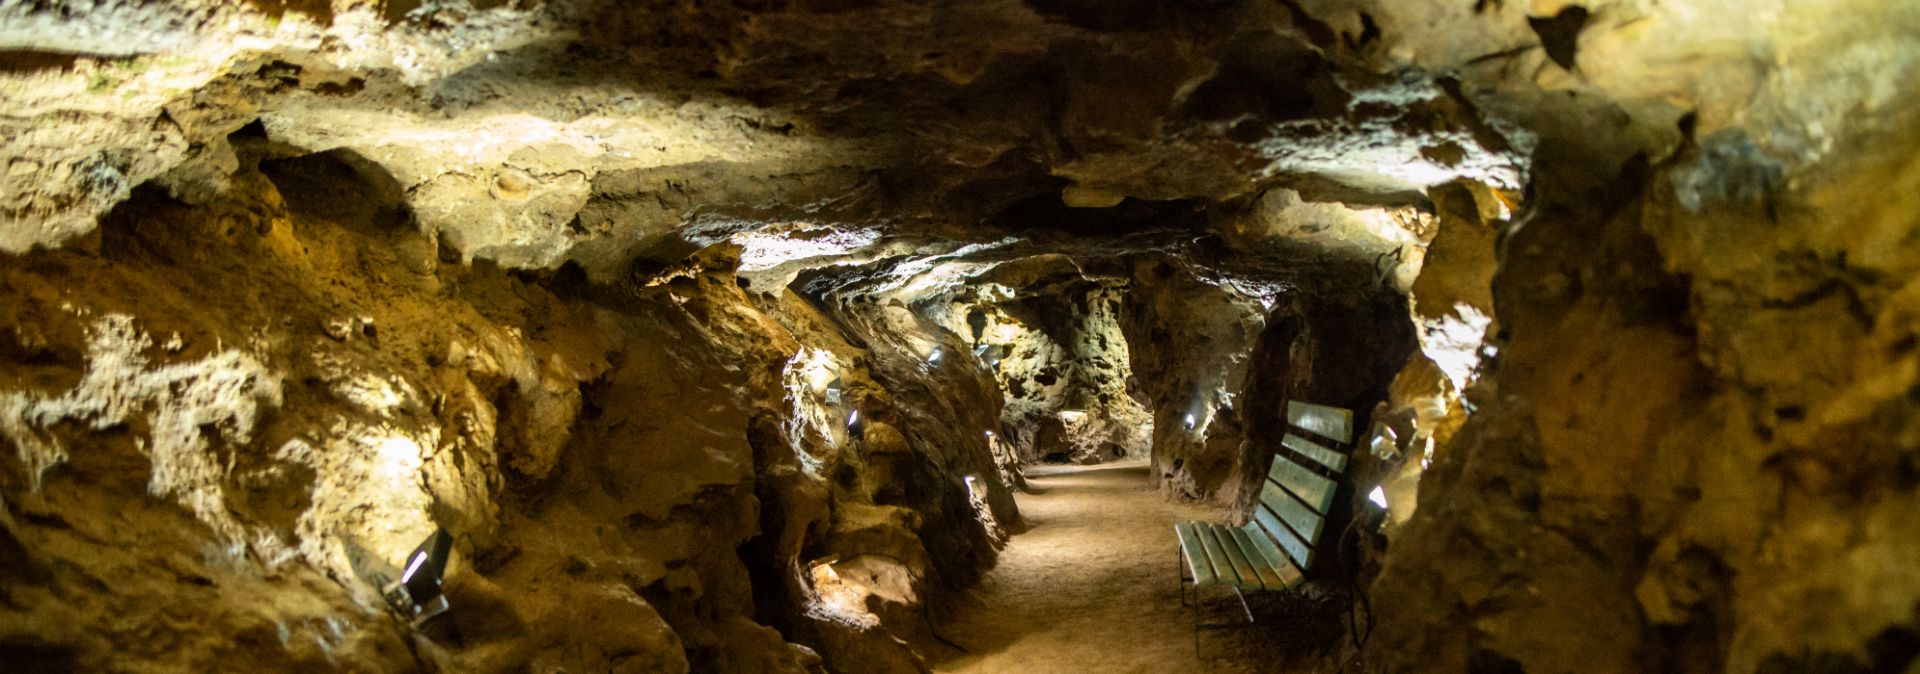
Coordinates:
1091	587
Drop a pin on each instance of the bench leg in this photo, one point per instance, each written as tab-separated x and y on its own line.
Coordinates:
1244	608
1246	611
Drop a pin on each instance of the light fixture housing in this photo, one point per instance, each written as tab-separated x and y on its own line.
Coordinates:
417	594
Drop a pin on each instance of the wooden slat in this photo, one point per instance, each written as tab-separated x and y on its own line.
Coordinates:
1314	450
1257	570
1315	490
1277	560
1197	563
1227	559
1217	555
1290	574
1261	541
1296	549
1332	423
1305	522
1262	566
1249	573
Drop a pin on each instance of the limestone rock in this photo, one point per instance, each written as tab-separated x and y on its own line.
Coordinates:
717	333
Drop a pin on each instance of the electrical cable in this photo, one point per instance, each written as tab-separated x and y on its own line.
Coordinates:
1353	585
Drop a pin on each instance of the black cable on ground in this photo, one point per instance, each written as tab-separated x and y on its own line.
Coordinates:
1353	585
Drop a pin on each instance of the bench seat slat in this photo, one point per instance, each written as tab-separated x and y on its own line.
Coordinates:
1315	451
1249	571
1197	560
1263	568
1235	559
1332	423
1217	555
1282	566
1315	490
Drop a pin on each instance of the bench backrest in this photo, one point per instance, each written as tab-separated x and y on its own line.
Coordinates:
1297	494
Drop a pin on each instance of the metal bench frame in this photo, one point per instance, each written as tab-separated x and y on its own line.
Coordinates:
1273	550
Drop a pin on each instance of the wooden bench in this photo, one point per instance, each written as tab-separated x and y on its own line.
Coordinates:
1273	550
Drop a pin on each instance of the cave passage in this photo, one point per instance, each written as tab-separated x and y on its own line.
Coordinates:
1087	587
877	336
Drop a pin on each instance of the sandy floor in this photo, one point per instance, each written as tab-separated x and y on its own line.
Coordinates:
1091	587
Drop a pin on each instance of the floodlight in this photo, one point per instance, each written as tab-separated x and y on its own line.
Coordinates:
417	594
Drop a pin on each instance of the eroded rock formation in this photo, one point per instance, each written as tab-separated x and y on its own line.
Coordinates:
718	334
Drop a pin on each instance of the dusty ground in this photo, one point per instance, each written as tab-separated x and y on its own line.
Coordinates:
1091	588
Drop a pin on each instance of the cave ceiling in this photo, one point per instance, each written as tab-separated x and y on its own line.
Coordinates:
598	134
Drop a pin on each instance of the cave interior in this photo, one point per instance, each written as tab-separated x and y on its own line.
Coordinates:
805	336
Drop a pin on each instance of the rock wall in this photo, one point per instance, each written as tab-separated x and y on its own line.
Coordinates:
1691	446
1190	342
637	299
1056	349
1117	423
637	475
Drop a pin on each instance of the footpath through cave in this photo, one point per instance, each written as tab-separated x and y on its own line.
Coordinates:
1090	587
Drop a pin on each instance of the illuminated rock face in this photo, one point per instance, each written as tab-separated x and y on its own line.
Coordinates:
1057	351
601	462
667	312
1694	425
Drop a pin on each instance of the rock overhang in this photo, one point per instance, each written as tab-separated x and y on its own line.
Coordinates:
598	134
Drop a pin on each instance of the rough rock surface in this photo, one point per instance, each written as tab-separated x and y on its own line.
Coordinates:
601	458
718	333
1690	442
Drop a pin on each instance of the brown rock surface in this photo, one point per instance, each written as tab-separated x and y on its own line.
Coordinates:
719	335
